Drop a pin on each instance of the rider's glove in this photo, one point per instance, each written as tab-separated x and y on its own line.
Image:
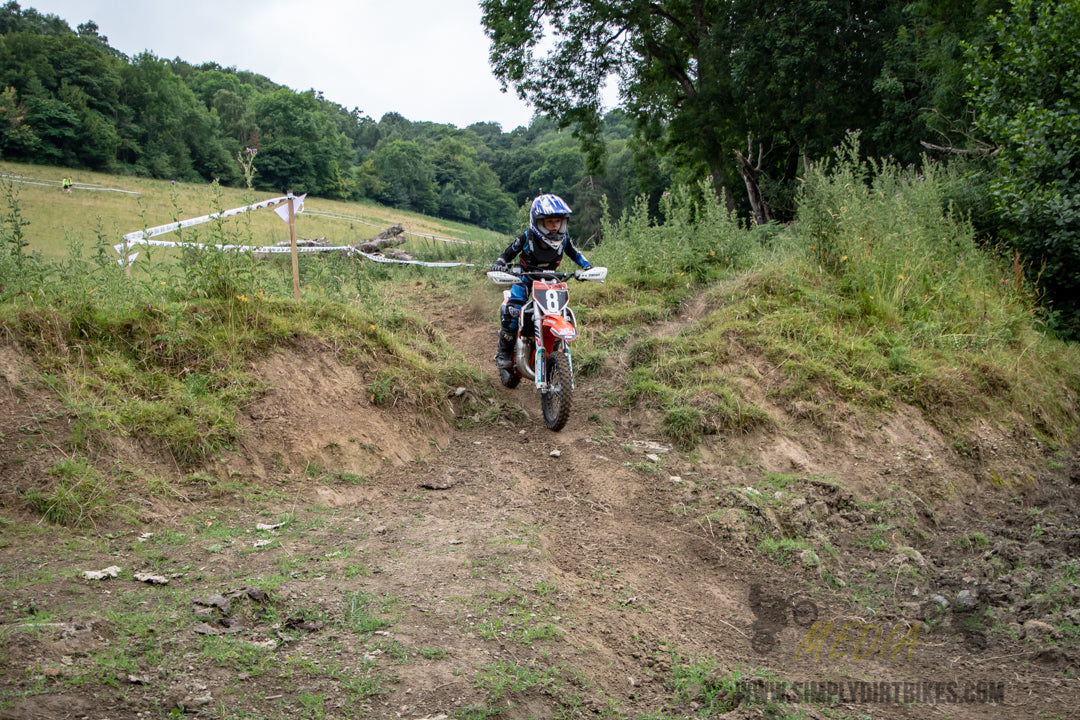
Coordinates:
499	266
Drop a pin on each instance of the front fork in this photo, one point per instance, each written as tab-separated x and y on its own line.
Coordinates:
540	358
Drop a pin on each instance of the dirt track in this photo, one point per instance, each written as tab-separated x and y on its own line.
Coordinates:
596	571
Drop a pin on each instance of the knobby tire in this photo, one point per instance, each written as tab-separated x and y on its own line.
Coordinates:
556	401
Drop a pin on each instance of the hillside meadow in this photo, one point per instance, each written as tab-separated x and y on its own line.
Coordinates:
104	207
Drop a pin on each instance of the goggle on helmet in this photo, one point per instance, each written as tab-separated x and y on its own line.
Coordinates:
546	206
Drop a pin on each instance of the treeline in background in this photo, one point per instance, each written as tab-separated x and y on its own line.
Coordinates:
745	96
69	99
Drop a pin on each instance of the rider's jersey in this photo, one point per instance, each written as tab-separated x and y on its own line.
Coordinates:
537	255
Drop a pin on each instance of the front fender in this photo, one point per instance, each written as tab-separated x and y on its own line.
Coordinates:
560	327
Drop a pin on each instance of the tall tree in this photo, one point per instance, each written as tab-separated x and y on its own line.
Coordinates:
302	147
406	177
15	19
69	86
923	83
171	133
703	78
469	190
1026	91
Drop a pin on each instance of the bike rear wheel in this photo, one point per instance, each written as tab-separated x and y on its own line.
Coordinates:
555	402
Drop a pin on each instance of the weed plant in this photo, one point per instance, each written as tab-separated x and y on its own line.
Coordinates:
879	293
904	257
79	494
694	240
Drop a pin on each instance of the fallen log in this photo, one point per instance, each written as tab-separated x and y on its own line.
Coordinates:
305	242
300	242
390	236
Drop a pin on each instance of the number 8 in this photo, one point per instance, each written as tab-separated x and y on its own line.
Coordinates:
552	301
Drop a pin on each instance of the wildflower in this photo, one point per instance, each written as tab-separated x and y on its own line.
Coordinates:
242	298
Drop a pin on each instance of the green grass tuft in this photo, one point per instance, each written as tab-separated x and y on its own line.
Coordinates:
79	495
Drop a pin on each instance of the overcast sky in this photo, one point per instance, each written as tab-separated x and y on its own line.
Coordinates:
424	59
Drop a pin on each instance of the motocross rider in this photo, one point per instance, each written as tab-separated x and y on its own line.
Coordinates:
541	247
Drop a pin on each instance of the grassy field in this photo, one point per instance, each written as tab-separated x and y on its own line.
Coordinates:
106	207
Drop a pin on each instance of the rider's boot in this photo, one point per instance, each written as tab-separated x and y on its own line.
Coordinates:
504	355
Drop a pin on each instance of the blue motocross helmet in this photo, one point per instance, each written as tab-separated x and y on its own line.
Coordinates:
546	206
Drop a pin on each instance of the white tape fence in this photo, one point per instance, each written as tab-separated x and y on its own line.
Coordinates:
98	187
145	237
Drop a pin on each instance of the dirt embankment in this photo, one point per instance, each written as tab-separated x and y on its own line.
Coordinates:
517	573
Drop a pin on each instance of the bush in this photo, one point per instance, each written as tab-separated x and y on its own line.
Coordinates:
903	256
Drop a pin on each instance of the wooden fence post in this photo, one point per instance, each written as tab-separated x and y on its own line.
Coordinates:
292	246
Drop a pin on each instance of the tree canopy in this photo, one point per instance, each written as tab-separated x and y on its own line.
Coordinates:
1025	88
732	89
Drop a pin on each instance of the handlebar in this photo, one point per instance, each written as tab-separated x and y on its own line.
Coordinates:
514	273
544	274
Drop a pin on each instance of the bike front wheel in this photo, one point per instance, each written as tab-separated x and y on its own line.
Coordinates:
556	400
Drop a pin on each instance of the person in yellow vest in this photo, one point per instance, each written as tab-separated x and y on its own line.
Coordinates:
66	184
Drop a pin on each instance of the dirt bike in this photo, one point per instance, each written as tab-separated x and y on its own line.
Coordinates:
546	326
